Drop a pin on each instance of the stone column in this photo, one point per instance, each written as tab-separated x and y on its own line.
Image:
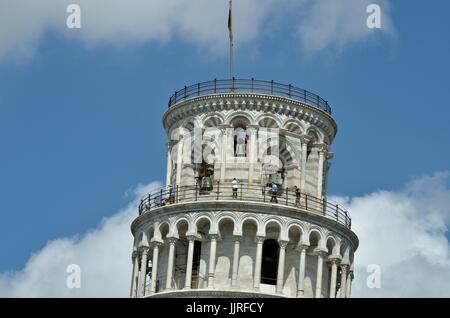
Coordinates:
304	142
258	262
252	152
320	255
143	273
322	153
334	264
156	246
343	280
172	241
212	260
237	244
179	160
169	165
134	274
281	260
190	256
349	284
224	154
301	270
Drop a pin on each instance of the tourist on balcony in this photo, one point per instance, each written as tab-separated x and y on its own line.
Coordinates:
171	198
234	186
274	193
297	196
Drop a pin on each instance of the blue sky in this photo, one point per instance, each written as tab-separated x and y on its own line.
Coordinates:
80	122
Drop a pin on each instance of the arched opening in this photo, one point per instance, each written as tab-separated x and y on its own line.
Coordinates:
225	246
247	254
314	240
212	121
269	265
268	122
293	128
181	246
209	158
149	267
240	136
342	250
201	251
196	264
162	260
331	244
295	234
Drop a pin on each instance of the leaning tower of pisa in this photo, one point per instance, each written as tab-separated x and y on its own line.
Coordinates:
244	212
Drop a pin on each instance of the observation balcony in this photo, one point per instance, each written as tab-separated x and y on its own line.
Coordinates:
175	195
249	86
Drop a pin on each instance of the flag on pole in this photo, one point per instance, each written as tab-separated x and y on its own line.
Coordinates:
230	30
230	25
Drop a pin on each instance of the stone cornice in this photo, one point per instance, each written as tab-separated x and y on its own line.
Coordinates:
246	207
250	101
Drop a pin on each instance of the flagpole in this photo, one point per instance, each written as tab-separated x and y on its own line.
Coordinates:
230	28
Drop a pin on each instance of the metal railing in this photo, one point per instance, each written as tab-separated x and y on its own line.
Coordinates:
245	192
249	86
198	281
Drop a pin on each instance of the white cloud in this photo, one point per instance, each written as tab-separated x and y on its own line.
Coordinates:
403	231
103	254
331	24
327	23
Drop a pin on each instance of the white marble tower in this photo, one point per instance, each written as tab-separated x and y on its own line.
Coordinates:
197	237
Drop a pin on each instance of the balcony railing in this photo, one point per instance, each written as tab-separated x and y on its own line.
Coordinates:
250	86
245	192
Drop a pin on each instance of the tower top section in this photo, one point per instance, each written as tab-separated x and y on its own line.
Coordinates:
250	86
247	164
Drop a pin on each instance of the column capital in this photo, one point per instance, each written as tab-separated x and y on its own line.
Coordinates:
321	148
214	236
134	254
156	241
238	238
334	259
144	249
260	239
302	246
320	251
345	266
224	128
305	139
283	243
191	237
172	240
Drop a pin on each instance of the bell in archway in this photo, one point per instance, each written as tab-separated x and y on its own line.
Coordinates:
206	184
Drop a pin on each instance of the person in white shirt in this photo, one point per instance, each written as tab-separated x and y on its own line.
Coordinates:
234	186
274	193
